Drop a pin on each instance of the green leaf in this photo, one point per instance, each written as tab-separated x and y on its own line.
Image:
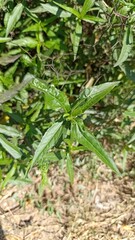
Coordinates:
93	19
5	60
7	95
23	42
2	3
126	46
31	14
8	177
76	37
5	39
90	96
132	139
86	7
14	18
84	137
50	138
70	168
44	178
129	113
9	131
68	9
48	7
13	150
54	97
5	161
52	157
26	60
37	110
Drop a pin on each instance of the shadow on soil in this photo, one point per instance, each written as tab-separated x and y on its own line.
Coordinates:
2	235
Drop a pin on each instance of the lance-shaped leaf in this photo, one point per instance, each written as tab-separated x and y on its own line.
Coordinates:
85	138
90	96
14	18
93	19
13	150
7	95
132	139
9	131
49	7
54	97
126	46
5	39
68	9
76	37
5	60
86	7
23	42
9	176
50	138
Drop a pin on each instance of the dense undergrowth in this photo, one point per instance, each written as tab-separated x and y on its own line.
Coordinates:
58	61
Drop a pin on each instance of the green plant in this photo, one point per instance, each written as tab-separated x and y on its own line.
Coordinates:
38	38
69	131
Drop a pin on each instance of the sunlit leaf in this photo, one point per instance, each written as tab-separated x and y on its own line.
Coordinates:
70	168
93	19
68	9
86	7
13	150
76	37
49	7
31	14
84	137
9	131
129	114
8	177
132	139
7	95
90	96
37	111
127	45
23	42
54	97
5	39
14	18
49	139
5	60
5	161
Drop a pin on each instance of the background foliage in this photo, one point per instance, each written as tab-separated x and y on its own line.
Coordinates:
70	45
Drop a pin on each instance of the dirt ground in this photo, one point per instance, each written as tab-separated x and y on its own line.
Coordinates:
99	205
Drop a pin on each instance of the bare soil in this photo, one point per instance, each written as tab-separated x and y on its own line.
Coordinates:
99	205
